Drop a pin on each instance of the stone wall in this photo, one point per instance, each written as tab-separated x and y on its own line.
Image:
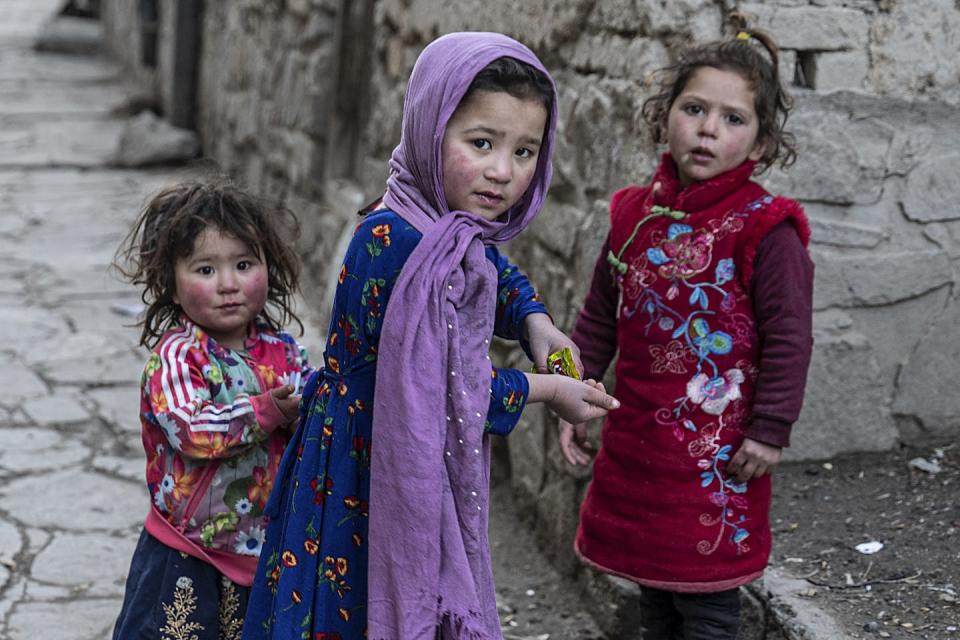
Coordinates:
302	99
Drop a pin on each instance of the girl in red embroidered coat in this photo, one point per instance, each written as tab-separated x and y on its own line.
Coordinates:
705	286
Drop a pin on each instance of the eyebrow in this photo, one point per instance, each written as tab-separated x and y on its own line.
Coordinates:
723	105
496	133
246	255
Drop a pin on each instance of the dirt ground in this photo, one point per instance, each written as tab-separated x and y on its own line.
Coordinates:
535	602
907	500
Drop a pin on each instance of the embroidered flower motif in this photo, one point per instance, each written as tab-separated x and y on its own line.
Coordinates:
249	543
684	253
714	394
671	357
638	277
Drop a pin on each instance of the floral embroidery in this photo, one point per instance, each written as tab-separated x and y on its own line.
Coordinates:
714	394
231	625
671	357
697	335
684	254
178	625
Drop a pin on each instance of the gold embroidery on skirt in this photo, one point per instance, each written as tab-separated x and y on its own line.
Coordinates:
178	626
230	625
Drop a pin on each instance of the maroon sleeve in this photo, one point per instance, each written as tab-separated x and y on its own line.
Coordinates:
782	288
596	329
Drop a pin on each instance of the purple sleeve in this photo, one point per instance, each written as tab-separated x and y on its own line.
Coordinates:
596	329
782	289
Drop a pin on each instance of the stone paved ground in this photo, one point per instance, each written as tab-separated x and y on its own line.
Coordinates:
71	494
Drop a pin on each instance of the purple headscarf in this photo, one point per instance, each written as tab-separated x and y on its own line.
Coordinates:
429	559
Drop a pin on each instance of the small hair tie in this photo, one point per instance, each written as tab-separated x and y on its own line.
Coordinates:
743	35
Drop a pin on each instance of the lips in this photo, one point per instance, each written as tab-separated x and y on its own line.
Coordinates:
489	198
702	154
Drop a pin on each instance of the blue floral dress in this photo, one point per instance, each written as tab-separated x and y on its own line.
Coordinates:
312	578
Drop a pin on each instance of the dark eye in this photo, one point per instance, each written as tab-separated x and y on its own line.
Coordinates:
693	109
524	152
735	119
482	143
207	270
243	265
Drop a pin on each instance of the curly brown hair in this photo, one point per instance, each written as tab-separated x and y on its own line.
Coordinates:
168	226
759	66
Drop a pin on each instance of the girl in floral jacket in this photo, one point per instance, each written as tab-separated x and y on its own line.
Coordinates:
218	394
704	285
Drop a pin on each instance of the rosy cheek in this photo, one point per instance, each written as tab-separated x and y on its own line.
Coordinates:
257	285
194	291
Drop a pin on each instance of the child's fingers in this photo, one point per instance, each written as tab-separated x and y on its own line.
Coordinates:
598	397
282	392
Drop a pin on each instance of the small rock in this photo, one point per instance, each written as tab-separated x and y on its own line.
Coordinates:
931	467
868	548
871	626
148	140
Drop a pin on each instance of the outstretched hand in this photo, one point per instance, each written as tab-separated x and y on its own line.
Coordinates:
753	460
579	401
287	402
544	338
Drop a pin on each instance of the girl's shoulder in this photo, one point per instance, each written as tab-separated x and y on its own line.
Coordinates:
386	221
626	200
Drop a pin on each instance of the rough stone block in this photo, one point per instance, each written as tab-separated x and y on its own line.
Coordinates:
68	34
851	280
847	398
842	70
526	448
93	563
845	234
79	493
931	192
615	602
148	140
811	28
68	619
927	381
618	56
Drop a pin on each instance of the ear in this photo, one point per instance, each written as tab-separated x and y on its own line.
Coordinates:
175	298
758	149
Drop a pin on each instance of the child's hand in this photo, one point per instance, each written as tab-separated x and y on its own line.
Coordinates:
579	401
288	403
544	338
754	459
573	442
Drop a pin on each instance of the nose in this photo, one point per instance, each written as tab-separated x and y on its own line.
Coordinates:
709	124
228	281
499	168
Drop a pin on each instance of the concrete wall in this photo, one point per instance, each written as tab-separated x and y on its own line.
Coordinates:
876	114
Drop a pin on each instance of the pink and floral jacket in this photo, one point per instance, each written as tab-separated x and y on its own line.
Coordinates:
214	436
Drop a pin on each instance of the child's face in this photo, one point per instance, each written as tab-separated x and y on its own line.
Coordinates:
221	286
712	125
490	151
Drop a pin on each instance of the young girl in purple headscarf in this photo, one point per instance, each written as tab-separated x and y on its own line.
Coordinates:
379	517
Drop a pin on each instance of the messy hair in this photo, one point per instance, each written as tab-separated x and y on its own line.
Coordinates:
753	55
516	78
167	228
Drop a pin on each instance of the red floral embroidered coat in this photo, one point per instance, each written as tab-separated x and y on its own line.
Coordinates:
661	509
